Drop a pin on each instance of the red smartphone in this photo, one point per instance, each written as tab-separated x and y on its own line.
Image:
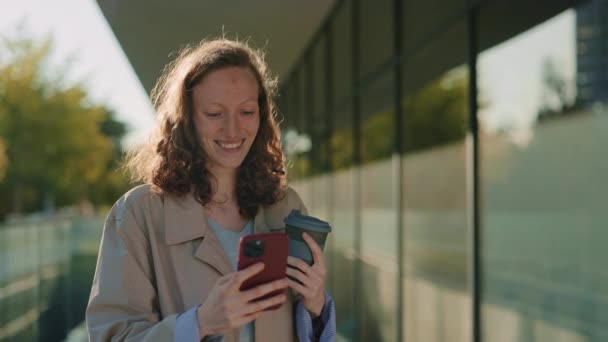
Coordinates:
271	249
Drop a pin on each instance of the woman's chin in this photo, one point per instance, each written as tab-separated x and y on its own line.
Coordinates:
231	164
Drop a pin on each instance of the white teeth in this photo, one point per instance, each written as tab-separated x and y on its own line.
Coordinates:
235	145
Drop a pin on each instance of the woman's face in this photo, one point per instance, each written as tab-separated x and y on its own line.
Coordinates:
226	116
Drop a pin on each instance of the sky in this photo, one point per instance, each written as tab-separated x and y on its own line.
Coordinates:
510	79
80	31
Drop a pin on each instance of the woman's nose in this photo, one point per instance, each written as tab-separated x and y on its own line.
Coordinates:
232	125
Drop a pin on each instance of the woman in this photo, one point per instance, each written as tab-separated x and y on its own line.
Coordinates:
213	173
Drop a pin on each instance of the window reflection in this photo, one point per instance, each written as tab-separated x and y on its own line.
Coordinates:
343	254
543	114
378	211
436	300
544	133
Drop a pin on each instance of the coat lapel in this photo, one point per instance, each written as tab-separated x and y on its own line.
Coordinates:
211	252
185	221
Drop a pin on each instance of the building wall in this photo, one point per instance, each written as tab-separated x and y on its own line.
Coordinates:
592	48
460	168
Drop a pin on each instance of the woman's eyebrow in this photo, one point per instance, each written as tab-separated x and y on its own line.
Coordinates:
250	99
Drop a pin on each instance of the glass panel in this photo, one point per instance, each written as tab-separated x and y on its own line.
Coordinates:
424	21
319	71
305	119
319	206
290	133
342	254
379	251
284	103
376	31
341	140
318	111
437	298
297	142
544	139
378	119
342	56
378	212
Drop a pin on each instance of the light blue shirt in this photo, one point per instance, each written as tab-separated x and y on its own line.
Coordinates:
186	325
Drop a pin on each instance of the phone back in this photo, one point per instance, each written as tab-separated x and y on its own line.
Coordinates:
271	249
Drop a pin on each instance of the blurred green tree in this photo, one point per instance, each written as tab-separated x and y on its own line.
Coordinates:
437	113
3	160
114	181
342	145
59	145
434	114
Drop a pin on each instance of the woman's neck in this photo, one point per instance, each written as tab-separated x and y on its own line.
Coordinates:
224	187
224	208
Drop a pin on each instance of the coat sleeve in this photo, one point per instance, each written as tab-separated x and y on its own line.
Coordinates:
123	304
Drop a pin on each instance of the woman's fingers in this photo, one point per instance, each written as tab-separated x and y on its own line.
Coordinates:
227	307
297	274
248	318
241	311
261	305
244	274
241	319
263	289
309	280
299	288
299	264
317	253
315	271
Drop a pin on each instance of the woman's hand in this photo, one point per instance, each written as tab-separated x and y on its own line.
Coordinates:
312	278
228	308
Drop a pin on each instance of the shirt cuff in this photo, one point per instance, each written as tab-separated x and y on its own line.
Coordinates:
304	326
186	326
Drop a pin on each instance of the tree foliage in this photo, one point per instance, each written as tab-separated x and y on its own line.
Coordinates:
59	147
433	115
3	160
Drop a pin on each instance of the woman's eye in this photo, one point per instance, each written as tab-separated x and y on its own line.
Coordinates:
248	112
213	115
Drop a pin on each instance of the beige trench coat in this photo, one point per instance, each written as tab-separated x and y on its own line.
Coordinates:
158	258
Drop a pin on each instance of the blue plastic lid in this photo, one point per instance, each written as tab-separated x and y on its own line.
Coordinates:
296	219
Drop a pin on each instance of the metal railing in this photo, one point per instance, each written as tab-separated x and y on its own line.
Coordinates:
46	270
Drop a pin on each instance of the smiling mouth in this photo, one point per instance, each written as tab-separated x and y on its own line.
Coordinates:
230	146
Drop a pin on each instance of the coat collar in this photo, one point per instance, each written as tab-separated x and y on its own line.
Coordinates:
185	220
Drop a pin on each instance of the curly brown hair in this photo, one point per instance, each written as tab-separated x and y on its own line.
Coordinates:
173	160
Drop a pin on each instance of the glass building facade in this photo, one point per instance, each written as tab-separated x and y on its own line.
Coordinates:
459	151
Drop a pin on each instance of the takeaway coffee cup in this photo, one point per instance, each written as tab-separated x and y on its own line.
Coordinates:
295	225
